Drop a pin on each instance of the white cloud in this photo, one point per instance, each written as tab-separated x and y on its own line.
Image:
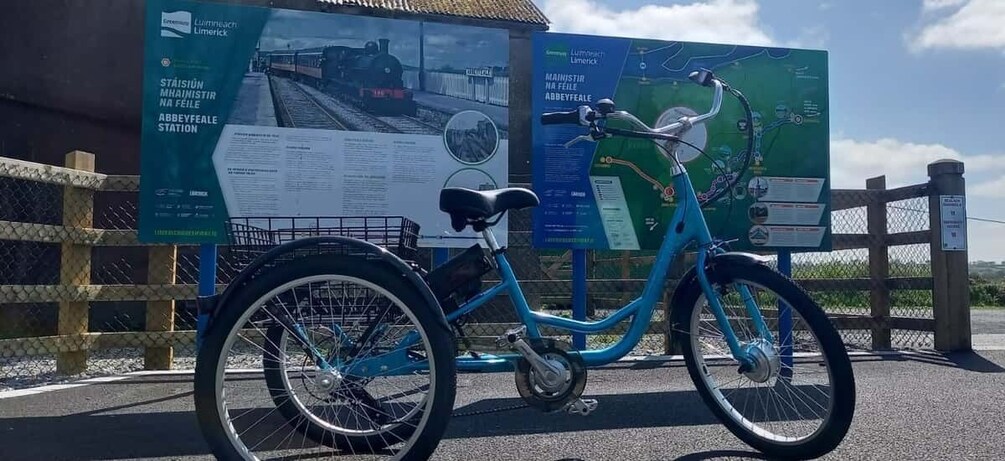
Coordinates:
975	25
903	163
991	189
984	240
933	5
712	21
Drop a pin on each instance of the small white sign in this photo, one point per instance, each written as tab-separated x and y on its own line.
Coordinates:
484	72
954	222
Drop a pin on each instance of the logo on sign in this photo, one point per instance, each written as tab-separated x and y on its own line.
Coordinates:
176	24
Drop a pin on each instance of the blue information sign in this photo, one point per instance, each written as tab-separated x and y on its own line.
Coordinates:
617	194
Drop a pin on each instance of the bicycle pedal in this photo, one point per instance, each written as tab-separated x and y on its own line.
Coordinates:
582	407
512	335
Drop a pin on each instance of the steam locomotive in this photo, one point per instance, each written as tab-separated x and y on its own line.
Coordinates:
369	77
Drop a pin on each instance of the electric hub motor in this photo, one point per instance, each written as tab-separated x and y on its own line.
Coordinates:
553	394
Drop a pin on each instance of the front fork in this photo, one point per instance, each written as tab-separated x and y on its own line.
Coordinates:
739	353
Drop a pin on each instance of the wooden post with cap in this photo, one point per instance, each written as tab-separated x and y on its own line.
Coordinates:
950	270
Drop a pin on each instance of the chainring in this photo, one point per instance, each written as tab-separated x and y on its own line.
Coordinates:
552	350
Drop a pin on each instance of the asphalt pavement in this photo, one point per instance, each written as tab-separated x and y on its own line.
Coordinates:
987	321
914	406
987	327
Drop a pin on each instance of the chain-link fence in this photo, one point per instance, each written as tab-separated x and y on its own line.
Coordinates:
904	262
80	297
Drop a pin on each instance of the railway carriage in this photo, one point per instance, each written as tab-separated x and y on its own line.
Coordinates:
309	65
283	63
369	77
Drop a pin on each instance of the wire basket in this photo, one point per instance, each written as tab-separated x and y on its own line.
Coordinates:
252	236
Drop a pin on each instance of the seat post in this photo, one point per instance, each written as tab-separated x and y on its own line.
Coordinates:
490	239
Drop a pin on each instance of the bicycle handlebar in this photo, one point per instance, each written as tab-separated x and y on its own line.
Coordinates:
587	116
561	118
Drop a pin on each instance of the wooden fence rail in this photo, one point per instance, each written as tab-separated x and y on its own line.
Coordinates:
77	237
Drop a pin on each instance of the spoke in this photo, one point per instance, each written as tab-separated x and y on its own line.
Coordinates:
800	391
791	403
778	409
392	395
256	423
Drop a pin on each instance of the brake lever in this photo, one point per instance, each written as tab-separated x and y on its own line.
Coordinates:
578	139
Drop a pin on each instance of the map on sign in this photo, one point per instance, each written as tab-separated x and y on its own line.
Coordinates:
780	202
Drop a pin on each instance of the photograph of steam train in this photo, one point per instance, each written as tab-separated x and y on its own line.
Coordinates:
367	76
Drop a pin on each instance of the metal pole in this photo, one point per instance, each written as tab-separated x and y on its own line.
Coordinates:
422	56
785	318
579	295
207	286
440	256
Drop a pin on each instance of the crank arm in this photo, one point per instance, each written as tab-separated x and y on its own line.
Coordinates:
515	339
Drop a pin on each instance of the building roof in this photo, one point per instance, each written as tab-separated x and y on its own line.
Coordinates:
515	11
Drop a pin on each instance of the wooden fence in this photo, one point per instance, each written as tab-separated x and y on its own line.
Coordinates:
76	236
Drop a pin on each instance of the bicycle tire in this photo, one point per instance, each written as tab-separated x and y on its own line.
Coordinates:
835	428
423	440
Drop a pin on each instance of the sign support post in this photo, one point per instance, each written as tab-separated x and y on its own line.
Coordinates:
207	286
785	318
579	294
440	256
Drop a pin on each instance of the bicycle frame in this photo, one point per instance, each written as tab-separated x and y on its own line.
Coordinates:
690	221
695	229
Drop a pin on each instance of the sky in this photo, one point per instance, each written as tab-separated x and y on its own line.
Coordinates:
299	29
911	81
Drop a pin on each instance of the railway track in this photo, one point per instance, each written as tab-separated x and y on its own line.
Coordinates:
410	125
298	110
358	120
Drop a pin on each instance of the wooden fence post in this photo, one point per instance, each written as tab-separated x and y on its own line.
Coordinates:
75	264
950	270
161	270
879	264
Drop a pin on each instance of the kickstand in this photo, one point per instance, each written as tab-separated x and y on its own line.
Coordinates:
464	339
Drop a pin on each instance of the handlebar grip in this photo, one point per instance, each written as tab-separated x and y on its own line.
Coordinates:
560	118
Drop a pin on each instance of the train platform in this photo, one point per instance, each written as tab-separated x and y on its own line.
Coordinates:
498	114
254	102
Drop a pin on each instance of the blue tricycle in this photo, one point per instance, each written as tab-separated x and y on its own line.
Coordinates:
358	349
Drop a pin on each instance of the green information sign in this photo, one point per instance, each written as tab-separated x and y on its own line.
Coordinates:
781	201
255	112
189	87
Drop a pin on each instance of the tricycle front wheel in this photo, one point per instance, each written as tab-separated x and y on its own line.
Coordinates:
797	399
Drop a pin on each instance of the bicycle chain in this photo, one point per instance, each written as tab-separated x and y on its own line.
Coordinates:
490	411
